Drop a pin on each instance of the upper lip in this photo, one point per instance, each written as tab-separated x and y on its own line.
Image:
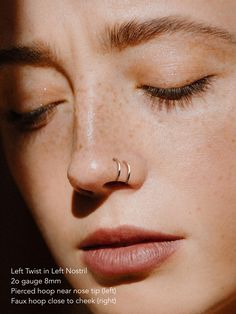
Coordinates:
124	236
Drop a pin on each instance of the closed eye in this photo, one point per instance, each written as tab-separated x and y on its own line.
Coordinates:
169	98
34	119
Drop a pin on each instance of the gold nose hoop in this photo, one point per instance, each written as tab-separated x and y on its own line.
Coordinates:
118	168
118	163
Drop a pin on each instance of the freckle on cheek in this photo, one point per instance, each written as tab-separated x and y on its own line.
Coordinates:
131	135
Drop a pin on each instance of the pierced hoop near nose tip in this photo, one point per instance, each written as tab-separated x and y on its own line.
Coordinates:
119	170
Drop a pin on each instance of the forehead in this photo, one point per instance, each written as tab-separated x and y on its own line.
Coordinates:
37	20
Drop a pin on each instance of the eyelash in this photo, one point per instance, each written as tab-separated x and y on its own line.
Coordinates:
35	119
170	98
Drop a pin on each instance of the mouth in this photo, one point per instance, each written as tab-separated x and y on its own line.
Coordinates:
127	250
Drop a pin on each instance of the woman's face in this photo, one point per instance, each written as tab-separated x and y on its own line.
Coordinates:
151	83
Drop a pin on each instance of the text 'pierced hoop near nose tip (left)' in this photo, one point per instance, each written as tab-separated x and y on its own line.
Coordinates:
119	169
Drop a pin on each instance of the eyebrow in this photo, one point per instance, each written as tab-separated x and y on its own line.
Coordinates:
36	54
134	32
118	36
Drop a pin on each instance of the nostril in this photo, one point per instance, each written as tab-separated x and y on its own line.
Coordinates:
86	192
115	184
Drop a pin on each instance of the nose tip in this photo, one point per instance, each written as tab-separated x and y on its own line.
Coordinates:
100	174
89	176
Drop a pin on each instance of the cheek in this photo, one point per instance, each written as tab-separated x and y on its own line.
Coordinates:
202	169
39	167
38	161
206	161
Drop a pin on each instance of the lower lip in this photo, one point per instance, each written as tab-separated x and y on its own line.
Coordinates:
133	259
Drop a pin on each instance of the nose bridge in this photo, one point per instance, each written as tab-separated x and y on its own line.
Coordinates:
98	113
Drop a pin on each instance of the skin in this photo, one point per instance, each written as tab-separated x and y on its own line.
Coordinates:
183	160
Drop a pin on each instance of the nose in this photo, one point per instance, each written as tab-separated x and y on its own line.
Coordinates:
98	173
103	157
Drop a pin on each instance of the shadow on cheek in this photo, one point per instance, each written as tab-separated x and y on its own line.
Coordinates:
21	242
